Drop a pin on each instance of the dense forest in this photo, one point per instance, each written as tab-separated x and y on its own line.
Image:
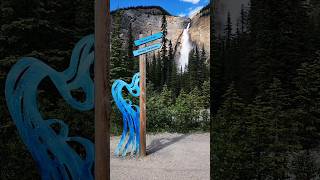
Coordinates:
266	93
48	30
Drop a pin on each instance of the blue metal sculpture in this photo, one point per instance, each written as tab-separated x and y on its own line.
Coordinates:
54	157
130	116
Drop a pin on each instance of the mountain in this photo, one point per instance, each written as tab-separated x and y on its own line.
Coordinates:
147	20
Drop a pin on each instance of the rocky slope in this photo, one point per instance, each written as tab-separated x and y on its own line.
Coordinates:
200	29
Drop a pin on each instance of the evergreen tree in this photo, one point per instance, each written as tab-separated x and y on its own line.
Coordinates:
164	58
273	133
304	166
174	82
170	64
203	70
206	93
153	69
243	19
307	100
158	71
193	67
228	31
231	146
132	62
117	58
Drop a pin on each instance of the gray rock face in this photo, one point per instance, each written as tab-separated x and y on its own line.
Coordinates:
200	31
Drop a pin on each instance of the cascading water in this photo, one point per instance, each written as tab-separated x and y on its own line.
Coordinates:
185	49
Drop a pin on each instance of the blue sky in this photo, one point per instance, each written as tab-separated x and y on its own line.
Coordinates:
175	7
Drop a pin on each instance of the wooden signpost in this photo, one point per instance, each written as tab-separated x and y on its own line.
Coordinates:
102	90
142	101
141	52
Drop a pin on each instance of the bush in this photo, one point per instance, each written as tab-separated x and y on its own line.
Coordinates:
188	112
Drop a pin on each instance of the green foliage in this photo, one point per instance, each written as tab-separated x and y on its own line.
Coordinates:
118	55
132	62
304	166
158	111
206	93
230	137
187	113
307	100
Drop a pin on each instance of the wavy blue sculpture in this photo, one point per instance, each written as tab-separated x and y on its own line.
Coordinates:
130	116
55	158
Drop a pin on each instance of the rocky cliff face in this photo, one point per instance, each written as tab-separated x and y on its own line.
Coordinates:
148	20
200	30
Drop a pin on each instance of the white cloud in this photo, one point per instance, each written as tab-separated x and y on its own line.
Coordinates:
191	1
182	14
194	11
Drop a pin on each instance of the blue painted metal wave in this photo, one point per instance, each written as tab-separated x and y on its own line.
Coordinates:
130	140
56	160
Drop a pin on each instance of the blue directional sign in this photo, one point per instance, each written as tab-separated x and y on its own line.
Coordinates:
146	49
148	39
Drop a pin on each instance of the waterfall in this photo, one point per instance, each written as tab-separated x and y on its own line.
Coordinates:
185	49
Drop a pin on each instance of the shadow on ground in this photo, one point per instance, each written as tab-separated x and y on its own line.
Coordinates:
161	143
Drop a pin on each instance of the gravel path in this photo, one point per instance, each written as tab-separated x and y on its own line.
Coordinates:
170	157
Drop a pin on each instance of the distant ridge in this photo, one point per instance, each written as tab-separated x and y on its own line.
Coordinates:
205	11
163	11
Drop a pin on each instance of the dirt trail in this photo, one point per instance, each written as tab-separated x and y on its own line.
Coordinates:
171	157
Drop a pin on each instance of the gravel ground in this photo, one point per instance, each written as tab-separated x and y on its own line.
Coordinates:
170	157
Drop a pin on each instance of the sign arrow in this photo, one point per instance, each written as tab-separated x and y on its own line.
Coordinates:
146	49
147	39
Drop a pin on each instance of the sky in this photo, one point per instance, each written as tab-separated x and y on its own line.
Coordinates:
174	7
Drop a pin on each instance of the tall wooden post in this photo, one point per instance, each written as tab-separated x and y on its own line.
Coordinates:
142	100
102	90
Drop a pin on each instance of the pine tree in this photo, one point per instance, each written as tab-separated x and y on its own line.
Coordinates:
174	82
158	71
164	58
230	133
307	99
118	61
304	166
228	31
279	40
203	70
170	64
217	68
273	132
206	93
153	68
243	19
193	67
132	63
